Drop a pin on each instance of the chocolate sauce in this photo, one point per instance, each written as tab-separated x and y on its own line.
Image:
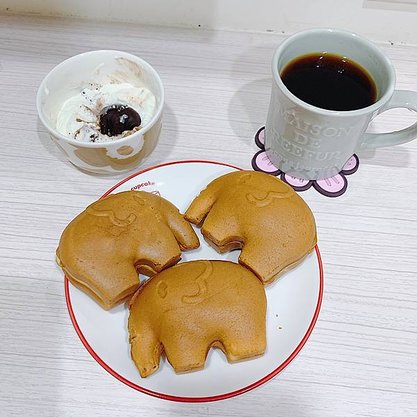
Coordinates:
118	118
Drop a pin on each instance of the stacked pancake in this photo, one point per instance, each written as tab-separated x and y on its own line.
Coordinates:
105	247
184	310
259	214
193	306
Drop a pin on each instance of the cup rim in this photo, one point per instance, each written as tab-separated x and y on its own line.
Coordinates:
326	112
120	141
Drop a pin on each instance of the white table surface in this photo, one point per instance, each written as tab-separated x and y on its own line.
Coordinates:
361	359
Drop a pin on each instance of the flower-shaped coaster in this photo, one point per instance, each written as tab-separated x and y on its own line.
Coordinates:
331	187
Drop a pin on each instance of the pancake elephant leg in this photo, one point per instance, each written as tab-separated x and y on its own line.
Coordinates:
238	346
185	353
254	260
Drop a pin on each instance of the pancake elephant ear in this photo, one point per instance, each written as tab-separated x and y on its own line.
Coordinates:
105	247
185	310
259	214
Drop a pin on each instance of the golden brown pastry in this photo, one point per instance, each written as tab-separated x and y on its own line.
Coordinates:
185	310
102	250
258	213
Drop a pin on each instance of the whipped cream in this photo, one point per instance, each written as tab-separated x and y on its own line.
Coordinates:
79	117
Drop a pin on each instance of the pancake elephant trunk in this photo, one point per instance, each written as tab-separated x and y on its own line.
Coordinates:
145	350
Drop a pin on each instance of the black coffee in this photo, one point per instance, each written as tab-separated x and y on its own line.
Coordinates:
329	81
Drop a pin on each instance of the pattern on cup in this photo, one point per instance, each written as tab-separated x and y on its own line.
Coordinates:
331	187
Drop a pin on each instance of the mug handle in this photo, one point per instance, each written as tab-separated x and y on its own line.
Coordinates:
400	99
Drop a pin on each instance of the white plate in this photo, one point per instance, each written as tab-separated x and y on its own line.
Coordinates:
293	306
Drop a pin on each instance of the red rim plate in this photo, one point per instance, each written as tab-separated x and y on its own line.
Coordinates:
224	396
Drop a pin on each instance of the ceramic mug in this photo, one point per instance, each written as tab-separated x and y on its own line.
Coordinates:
68	78
314	143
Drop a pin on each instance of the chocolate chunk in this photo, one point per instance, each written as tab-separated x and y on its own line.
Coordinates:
118	118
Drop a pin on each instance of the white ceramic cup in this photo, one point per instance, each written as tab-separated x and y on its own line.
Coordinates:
314	143
68	79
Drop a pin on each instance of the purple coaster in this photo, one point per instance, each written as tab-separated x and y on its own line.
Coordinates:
330	187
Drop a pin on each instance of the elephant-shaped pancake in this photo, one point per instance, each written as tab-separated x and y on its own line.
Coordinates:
185	310
259	214
105	247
